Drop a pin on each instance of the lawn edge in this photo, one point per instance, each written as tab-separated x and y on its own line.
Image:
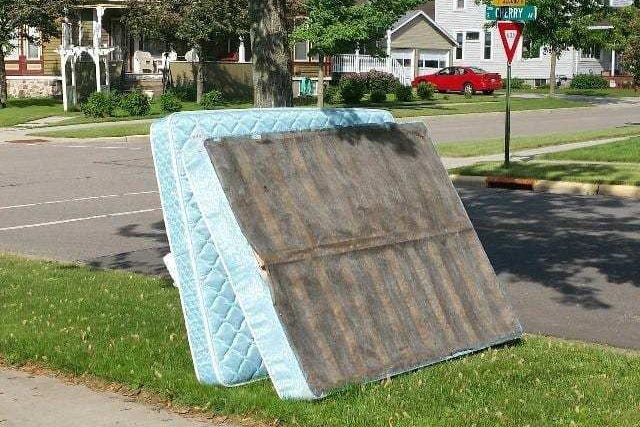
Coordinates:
143	396
547	186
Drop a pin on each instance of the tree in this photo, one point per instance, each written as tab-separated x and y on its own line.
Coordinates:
561	25
16	17
192	22
271	56
334	27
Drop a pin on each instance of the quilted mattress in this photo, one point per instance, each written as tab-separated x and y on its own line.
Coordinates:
222	345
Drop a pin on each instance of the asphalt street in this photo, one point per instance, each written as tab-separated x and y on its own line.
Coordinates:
569	264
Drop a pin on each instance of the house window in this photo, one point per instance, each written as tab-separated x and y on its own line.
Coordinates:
459	49
530	50
488	39
460	4
301	51
592	52
12	52
472	36
33	46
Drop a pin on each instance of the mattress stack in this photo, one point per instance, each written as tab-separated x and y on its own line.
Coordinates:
320	248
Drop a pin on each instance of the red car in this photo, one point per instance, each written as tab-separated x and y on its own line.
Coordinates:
462	79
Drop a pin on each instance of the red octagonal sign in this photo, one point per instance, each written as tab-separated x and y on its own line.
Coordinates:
510	33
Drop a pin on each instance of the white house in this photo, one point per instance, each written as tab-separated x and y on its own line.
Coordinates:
481	46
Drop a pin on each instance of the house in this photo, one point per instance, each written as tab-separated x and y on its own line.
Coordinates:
455	32
415	45
481	47
96	52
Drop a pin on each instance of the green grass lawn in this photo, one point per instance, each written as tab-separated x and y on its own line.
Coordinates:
607	92
25	110
120	129
517	104
128	328
627	151
575	172
496	145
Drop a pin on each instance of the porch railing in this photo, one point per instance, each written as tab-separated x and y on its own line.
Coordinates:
354	63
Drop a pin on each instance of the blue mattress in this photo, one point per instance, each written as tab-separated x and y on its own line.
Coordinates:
222	343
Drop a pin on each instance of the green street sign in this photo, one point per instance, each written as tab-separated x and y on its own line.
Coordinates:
518	14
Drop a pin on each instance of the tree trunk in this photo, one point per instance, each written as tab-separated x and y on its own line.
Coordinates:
200	70
271	58
320	81
3	81
552	74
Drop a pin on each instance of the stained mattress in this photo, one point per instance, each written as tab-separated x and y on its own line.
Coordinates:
222	344
350	254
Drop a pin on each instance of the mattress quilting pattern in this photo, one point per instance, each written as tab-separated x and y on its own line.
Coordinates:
222	345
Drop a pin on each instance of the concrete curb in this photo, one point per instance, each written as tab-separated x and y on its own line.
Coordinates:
544	186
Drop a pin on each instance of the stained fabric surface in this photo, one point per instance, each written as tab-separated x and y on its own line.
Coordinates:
222	345
367	255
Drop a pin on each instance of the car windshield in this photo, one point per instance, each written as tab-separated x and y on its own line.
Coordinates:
477	70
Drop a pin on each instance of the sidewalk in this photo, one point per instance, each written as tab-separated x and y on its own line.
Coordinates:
457	162
34	401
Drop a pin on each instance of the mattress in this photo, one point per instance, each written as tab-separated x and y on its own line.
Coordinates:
349	253
222	345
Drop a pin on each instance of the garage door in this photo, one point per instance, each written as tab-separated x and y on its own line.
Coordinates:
430	61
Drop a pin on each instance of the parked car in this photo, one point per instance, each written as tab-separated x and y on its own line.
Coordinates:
462	79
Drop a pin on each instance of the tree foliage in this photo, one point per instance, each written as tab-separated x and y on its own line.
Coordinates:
340	26
16	16
631	49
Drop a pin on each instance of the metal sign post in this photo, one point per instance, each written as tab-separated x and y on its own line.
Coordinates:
510	33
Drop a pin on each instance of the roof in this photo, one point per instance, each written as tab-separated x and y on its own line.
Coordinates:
412	14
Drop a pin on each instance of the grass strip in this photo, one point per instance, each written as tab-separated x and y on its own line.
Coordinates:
124	129
128	328
25	110
575	172
496	145
627	151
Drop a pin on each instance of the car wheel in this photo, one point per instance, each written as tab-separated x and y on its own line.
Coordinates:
488	92
467	89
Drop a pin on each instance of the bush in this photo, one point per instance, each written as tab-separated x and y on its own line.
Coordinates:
184	90
379	80
378	95
426	90
100	104
403	93
516	84
211	99
136	103
589	81
169	103
352	88
332	95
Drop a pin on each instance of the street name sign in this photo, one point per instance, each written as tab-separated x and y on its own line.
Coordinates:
501	3
520	14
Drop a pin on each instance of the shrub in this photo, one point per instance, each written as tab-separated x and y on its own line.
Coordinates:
378	95
100	104
352	87
184	90
332	95
136	103
426	90
403	93
516	84
211	99
589	81
169	103
379	80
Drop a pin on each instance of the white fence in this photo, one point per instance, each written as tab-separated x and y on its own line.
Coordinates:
364	63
